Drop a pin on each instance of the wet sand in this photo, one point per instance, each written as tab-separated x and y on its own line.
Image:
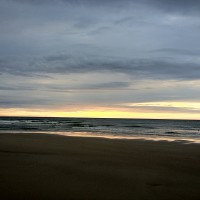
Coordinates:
39	166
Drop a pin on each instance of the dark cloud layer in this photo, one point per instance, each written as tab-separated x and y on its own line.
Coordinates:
99	52
177	5
144	68
183	52
183	6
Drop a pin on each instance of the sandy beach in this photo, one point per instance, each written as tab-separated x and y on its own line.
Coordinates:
40	166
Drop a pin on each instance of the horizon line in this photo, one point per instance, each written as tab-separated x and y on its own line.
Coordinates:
99	118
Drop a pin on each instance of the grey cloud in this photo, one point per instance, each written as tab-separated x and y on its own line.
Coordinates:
16	103
167	5
58	58
165	109
143	68
93	86
22	102
7	88
183	6
17	88
111	38
81	2
61	92
110	85
186	52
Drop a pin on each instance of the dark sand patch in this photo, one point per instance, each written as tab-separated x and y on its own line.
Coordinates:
39	166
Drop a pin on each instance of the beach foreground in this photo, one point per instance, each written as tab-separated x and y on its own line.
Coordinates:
40	166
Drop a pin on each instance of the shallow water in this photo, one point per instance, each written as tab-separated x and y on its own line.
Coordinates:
108	128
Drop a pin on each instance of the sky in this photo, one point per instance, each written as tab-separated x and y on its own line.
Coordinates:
100	58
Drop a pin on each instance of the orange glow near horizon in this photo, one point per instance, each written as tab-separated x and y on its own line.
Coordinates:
103	112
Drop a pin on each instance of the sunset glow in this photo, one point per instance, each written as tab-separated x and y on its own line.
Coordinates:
142	110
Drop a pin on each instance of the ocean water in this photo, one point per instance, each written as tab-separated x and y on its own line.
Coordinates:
108	128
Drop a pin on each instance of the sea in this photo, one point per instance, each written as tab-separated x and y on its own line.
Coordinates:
149	129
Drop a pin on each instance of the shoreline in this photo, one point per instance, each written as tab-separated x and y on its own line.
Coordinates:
84	134
39	166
